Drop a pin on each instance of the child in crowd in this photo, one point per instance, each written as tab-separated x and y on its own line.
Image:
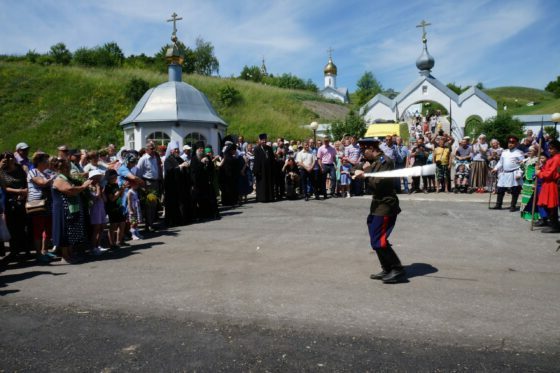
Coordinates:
97	211
345	177
113	205
461	179
134	210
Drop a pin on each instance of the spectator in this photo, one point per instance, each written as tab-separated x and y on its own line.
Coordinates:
22	156
441	157
97	213
114	206
353	153
420	154
39	184
13	181
479	168
291	171
69	214
345	177
548	197
149	169
326	157
306	162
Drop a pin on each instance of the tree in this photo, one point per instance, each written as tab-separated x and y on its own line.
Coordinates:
551	131
205	62
109	55
32	56
60	54
368	87
251	73
229	96
554	87
500	127
353	124
455	88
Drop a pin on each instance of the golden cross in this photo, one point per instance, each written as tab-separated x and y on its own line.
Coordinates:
174	19
423	24
330	50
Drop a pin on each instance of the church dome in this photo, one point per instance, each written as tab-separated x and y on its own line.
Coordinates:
173	102
330	68
425	62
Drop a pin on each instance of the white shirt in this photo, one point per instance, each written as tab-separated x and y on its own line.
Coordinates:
509	165
148	167
307	158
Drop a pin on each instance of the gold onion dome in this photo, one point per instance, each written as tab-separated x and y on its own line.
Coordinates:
330	68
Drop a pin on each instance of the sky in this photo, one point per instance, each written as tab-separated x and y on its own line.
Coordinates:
496	42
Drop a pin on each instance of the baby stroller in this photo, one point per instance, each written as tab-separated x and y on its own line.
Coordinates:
462	177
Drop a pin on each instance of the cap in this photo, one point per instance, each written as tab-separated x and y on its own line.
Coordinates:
94	173
207	150
187	147
22	146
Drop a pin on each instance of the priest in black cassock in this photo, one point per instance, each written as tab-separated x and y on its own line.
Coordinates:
263	169
177	187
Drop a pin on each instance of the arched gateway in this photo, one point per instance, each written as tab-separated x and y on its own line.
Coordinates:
472	102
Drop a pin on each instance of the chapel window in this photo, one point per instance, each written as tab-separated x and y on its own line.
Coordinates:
158	138
192	138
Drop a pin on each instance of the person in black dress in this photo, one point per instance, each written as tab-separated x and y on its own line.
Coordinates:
263	170
177	188
229	174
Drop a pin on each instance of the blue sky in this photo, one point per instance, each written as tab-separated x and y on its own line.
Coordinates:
499	43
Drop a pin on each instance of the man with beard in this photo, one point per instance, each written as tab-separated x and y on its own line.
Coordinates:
177	187
263	169
383	214
203	195
229	174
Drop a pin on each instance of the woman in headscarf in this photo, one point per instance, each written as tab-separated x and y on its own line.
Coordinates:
479	164
177	187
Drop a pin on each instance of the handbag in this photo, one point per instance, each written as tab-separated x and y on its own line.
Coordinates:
36	206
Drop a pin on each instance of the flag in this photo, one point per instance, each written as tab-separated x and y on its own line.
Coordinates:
542	142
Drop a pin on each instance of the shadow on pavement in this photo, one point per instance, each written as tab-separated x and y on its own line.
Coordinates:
5	280
419	269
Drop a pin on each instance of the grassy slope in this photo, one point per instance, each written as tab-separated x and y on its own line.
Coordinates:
516	99
46	106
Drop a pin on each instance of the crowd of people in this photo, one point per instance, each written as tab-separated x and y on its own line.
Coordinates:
75	202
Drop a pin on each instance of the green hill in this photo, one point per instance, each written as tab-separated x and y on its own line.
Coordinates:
517	98
82	107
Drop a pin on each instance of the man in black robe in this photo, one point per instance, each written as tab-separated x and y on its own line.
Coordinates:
203	195
177	186
263	169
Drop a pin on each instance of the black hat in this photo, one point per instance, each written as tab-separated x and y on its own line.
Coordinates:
513	137
110	173
263	136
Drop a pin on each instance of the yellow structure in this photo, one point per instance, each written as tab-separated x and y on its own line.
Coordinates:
383	129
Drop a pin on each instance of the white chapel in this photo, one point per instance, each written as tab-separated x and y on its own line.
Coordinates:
331	91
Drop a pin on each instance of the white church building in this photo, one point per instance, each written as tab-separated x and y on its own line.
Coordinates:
331	91
473	103
173	111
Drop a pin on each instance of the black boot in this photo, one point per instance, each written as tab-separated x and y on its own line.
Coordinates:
397	273
513	206
381	255
540	223
498	205
552	228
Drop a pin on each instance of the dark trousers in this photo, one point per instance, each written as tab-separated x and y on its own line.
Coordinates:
329	169
416	182
380	228
306	181
514	195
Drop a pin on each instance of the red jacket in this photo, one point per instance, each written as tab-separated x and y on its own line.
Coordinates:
548	197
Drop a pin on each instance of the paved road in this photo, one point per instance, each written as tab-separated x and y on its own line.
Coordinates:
285	286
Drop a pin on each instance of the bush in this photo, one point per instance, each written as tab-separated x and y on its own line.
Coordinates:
228	96
500	127
136	88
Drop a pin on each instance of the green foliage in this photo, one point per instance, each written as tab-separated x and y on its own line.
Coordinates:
368	87
136	88
252	73
108	55
32	56
554	87
500	127
517	98
353	124
551	131
229	96
140	62
456	88
205	62
60	54
46	106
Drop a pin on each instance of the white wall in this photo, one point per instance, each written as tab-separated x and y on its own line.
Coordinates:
379	111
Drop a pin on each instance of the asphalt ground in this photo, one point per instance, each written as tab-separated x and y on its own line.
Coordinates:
285	286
